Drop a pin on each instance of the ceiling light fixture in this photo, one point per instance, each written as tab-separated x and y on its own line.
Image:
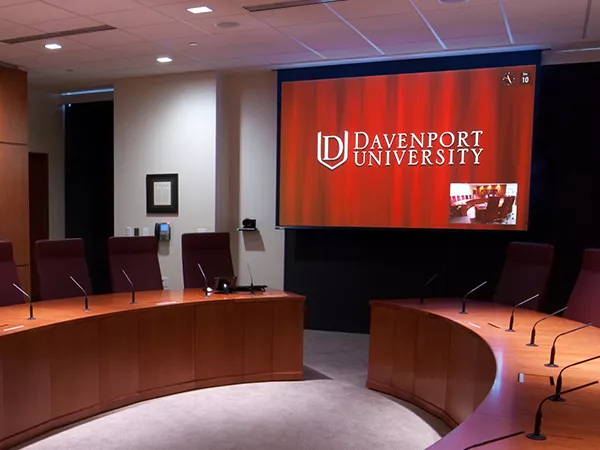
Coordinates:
193	43
53	46
199	10
164	59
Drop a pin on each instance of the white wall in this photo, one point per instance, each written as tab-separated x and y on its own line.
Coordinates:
250	100
46	135
166	124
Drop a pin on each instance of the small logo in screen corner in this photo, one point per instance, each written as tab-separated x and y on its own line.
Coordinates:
332	151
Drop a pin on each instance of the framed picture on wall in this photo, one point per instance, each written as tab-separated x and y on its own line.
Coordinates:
162	196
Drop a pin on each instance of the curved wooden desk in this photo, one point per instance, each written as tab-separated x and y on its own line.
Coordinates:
466	372
69	364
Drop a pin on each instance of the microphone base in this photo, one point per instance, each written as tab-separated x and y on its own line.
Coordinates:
86	309
463	312
31	318
557	399
550	365
133	303
536	437
532	345
510	330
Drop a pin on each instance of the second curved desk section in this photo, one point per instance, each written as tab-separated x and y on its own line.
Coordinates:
480	380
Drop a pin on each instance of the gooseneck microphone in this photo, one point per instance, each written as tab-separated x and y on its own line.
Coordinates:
206	293
85	308
556	397
30	301
532	340
512	315
491	441
464	301
251	279
132	302
553	350
425	285
537	435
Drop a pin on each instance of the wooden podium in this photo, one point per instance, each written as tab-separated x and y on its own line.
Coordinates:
69	364
481	380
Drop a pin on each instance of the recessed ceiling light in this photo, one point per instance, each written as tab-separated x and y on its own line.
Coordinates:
227	24
193	43
53	46
164	59
199	9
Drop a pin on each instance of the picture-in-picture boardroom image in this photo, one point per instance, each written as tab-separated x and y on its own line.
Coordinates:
483	203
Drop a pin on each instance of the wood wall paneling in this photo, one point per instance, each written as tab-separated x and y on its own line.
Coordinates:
14	200
258	339
73	353
381	350
433	347
13	106
26	381
288	337
166	347
118	353
219	341
462	373
404	347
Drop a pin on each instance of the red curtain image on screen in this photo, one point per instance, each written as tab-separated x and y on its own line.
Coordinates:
425	150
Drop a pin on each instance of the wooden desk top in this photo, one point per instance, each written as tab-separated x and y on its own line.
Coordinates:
510	405
13	319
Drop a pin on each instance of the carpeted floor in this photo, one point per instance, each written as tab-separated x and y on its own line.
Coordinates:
330	410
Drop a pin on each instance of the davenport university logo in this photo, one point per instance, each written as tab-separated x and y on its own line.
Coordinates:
332	151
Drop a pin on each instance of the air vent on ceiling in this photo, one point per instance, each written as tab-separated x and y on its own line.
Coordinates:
46	36
289	4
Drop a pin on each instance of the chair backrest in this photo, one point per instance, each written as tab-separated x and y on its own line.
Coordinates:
138	256
57	261
212	251
525	273
583	302
8	275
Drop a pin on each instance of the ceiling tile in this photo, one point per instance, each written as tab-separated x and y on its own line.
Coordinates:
500	40
246	22
12	2
363	51
593	29
89	7
296	16
563	35
475	21
137	49
403	23
165	31
132	18
9	52
325	35
16	32
66	24
219	8
432	5
256	36
6	24
353	9
292	58
34	12
66	43
400	36
107	38
153	3
411	48
528	16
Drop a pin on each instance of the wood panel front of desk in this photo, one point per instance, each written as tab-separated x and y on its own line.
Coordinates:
59	373
464	369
